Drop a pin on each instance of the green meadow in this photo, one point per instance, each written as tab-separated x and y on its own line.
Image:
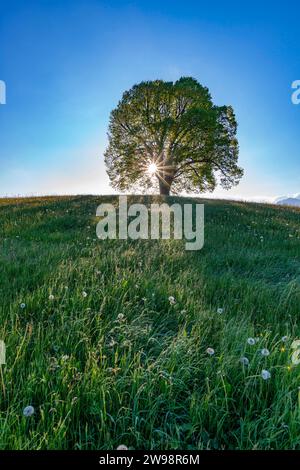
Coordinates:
97	347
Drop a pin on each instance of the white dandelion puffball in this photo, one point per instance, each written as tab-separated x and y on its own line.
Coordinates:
265	374
296	354
84	294
220	310
122	447
51	297
210	351
295	358
245	361
295	344
284	339
251	341
22	305
121	317
28	411
172	300
265	352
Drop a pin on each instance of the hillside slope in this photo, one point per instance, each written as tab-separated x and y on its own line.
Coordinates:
106	359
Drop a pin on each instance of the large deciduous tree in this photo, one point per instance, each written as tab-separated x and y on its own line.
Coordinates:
170	135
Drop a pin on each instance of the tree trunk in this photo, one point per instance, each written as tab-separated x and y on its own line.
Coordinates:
164	189
164	186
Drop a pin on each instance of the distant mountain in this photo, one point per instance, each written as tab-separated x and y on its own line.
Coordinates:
289	201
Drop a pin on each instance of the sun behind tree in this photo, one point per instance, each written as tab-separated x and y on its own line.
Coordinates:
171	136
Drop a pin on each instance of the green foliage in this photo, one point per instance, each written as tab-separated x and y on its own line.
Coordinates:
98	379
177	127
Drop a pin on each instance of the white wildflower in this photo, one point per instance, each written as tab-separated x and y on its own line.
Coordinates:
172	300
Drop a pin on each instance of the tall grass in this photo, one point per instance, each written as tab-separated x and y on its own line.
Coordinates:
121	365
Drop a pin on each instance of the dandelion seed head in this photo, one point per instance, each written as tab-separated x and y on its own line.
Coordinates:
265	374
122	447
172	300
22	305
220	310
295	357
28	411
295	344
265	352
245	361
251	341
210	351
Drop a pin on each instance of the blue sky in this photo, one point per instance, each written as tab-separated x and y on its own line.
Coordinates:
67	63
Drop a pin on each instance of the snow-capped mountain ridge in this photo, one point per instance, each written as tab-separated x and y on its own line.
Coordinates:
289	201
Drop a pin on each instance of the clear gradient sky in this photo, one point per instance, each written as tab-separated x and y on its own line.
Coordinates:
66	64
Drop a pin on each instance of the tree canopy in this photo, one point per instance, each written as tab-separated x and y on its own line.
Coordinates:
171	135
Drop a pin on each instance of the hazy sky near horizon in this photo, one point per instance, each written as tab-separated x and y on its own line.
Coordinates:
66	64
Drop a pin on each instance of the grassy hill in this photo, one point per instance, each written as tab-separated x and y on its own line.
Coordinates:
105	359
